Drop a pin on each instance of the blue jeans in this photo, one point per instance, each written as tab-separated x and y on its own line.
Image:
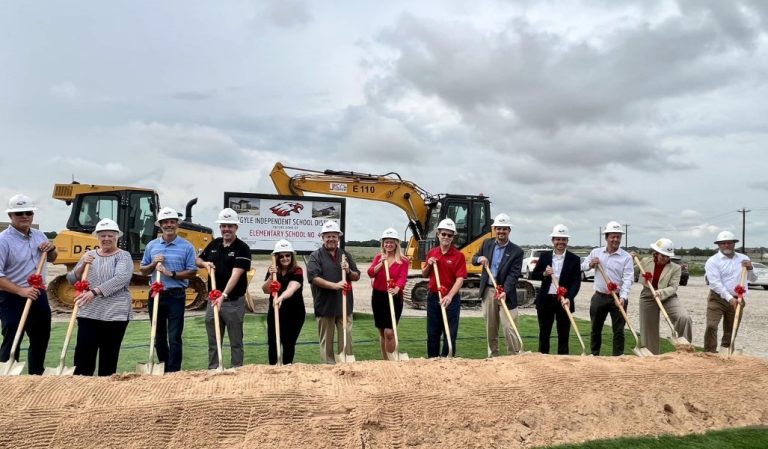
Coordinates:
37	327
170	325
435	328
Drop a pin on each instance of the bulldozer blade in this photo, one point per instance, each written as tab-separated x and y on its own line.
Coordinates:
12	368
59	371
155	369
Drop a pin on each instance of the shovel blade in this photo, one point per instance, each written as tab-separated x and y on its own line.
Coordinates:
154	369
12	368
642	352
59	371
344	358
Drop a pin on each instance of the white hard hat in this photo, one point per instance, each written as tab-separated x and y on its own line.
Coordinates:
331	226
20	203
166	213
390	233
283	246
107	224
502	220
227	216
664	246
448	224
613	227
560	230
726	236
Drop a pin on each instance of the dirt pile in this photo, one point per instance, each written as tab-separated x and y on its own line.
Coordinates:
505	402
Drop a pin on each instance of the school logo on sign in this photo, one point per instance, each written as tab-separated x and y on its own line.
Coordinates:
286	208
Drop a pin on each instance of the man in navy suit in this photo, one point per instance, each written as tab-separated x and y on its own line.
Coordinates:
505	259
566	266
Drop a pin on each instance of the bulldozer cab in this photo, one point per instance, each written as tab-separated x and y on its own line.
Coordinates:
133	210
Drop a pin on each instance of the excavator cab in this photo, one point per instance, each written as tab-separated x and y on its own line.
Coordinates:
471	215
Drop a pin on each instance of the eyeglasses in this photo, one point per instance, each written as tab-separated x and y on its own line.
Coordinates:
445	234
285	256
28	213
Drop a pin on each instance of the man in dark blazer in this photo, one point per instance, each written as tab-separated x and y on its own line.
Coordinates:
567	267
505	259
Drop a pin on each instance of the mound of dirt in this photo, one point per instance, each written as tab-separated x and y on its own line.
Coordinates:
504	402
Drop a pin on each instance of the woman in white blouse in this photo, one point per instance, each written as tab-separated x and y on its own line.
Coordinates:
106	307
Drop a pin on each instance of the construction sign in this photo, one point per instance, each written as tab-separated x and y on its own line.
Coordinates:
265	219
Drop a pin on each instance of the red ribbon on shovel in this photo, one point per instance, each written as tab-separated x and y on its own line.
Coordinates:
82	286
347	287
740	290
392	283
274	287
648	276
36	281
157	287
562	291
214	295
612	287
443	290
499	291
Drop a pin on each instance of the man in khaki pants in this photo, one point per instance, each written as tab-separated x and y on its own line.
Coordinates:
665	280
324	269
723	272
505	260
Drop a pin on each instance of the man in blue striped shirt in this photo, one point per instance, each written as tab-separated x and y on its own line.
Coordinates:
21	247
174	258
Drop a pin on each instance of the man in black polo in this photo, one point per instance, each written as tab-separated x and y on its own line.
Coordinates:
231	259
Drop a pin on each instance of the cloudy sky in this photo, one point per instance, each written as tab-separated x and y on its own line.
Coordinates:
650	113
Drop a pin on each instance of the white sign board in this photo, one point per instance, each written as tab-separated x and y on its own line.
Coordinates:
265	219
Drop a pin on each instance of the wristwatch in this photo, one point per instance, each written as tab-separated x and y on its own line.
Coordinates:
173	274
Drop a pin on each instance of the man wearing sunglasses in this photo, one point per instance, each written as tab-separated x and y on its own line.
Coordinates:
230	257
505	259
21	247
453	270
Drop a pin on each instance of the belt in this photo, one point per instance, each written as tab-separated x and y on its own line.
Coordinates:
174	290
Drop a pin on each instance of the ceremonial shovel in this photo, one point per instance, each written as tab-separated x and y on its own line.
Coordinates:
12	367
509	315
676	339
740	290
637	350
343	357
442	309
216	294
570	315
397	355
155	369
276	308
62	370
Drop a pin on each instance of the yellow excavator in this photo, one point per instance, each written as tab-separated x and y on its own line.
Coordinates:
134	209
471	213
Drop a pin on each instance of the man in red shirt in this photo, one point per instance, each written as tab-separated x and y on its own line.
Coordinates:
453	269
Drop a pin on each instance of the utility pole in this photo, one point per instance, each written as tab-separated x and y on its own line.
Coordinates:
626	236
743	211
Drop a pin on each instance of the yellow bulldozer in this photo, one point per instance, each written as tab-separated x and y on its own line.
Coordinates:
134	209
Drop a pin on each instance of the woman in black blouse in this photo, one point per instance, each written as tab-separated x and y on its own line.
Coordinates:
290	278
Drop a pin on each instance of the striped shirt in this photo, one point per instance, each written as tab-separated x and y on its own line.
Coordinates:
724	274
19	255
618	267
112	276
179	256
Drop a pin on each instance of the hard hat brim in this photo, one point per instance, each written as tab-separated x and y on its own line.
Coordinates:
21	209
661	251
727	240
119	232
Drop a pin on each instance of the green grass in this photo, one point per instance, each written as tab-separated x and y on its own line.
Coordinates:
744	438
412	333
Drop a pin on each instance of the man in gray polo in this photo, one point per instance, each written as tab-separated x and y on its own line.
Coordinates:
21	247
324	274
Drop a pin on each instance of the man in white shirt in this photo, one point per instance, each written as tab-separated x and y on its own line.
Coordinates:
618	266
723	272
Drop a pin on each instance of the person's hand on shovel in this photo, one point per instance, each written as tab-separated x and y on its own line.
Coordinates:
500	294
739	298
482	260
446	296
